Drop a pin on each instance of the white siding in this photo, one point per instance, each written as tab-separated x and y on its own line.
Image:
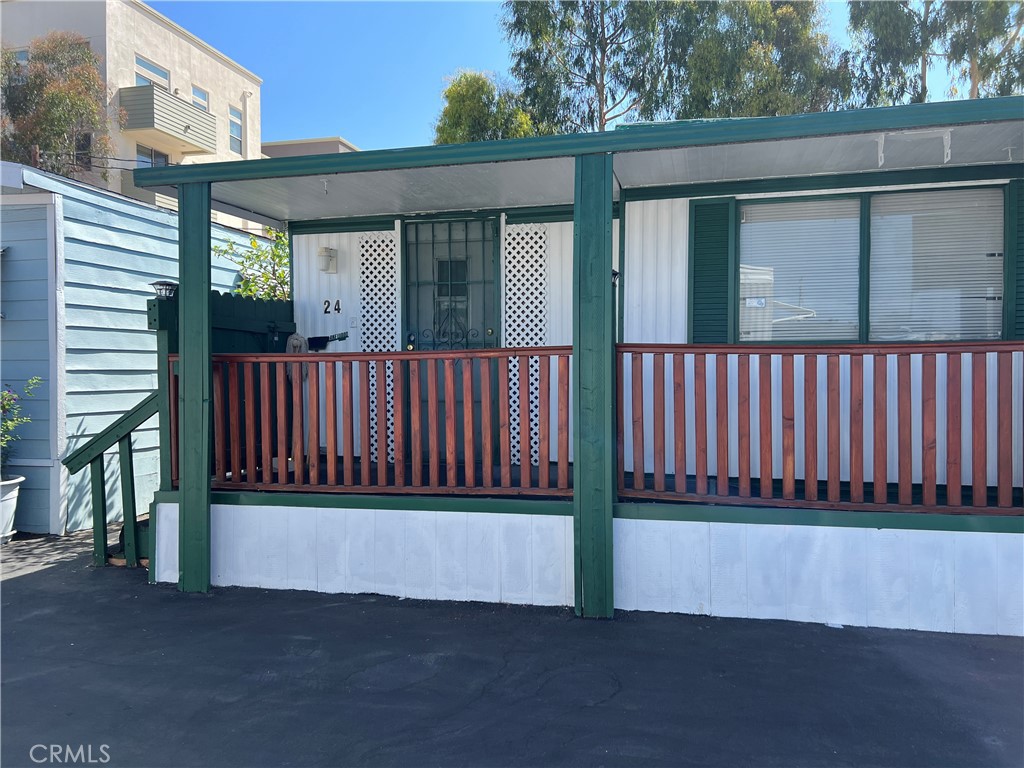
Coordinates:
654	273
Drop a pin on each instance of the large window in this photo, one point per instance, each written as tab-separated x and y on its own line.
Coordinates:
148	73
799	271
937	265
235	129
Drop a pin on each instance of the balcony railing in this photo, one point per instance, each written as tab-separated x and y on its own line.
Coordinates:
492	422
916	427
165	122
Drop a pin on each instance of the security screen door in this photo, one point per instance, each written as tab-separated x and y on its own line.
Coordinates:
451	301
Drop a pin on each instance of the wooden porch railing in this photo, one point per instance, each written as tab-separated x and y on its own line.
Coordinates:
397	422
912	427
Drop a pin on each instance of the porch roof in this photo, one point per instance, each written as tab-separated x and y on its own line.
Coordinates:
540	171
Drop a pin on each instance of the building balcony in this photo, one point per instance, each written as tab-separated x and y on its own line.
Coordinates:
161	120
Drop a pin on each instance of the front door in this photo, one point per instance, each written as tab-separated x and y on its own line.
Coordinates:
451	302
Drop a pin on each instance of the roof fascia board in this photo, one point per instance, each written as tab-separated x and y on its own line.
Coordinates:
669	135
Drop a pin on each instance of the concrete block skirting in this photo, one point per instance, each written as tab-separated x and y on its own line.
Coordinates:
506	558
941	581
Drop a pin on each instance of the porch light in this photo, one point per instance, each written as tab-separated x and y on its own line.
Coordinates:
328	258
164	289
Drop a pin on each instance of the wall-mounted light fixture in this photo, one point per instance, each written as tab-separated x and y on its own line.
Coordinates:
615	278
164	289
328	258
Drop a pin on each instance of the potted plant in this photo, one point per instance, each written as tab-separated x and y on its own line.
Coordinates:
10	408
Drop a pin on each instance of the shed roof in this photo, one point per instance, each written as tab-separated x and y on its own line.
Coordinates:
540	171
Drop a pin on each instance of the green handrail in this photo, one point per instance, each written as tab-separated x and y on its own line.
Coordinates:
91	455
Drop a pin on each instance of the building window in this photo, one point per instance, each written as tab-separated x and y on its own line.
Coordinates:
235	129
800	271
148	73
83	151
937	265
200	98
146	157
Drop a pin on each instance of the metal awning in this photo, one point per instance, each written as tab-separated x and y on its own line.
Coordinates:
540	172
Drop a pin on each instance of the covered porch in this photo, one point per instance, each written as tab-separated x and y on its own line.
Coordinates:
557	322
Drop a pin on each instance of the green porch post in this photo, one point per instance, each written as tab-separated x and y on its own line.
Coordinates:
593	338
194	421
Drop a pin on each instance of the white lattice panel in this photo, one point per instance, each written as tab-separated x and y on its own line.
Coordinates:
524	249
378	322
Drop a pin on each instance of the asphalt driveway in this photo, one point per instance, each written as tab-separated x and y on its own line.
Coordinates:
243	677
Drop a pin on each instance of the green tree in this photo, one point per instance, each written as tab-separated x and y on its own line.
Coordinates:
746	59
898	43
478	109
263	267
54	112
584	65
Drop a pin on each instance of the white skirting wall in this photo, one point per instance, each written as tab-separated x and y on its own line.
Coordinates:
903	579
490	557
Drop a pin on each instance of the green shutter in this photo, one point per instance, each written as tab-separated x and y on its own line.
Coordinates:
710	271
1017	196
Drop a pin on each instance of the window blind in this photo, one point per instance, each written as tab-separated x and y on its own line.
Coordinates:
937	265
799	271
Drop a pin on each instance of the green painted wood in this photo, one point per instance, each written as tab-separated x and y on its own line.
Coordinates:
620	294
195	388
675	134
128	501
593	383
712	283
86	454
924	521
1013	295
99	512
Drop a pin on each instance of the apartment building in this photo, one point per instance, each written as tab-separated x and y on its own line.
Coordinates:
183	101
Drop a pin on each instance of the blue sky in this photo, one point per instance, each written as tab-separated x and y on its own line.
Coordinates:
372	72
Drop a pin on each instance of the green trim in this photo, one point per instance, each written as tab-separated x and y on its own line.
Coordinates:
532	215
620	295
1010	257
163	393
593	384
401	502
690	246
195	390
733	289
825	182
151	532
730	321
668	135
864	274
787	516
99	511
291	266
98	445
332	226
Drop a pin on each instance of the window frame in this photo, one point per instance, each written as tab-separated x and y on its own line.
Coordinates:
864	281
241	129
152	154
205	105
147	66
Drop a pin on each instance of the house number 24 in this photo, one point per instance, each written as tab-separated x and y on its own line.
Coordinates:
336	309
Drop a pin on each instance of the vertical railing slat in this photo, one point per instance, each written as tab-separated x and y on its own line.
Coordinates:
313	411
743	423
451	463
219	441
722	424
700	419
124	447
433	447
348	416
331	420
298	458
904	439
880	430
544	423
679	419
234	422
282	426
788	430
832	368
658	427
928	435
250	422
486	425
398	389
99	512
1004	433
563	421
504	435
979	429
637	418
954	430
524	421
811	427
381	385
764	398
620	420
416	423
468	442
857	428
365	454
266	438
173	397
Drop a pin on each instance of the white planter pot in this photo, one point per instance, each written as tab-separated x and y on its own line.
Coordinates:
8	504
